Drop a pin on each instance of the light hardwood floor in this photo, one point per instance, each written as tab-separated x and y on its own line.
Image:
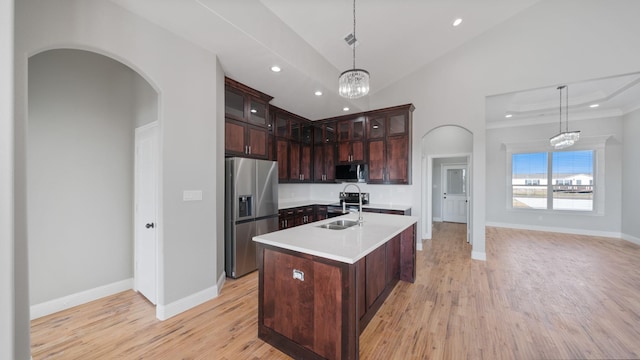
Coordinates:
538	296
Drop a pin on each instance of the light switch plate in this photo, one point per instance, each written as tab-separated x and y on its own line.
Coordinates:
192	195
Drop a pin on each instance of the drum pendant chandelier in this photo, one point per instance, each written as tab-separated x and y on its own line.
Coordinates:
354	83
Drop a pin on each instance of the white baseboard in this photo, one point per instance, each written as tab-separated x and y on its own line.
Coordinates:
437	219
630	238
83	297
610	234
419	246
164	312
221	281
477	255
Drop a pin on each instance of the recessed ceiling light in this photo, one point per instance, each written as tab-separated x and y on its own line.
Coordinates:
594	105
345	109
253	111
318	93
508	116
275	68
457	22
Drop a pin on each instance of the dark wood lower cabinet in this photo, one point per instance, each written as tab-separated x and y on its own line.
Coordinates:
303	310
320	212
311	307
376	274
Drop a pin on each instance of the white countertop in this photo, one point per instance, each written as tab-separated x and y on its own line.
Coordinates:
348	245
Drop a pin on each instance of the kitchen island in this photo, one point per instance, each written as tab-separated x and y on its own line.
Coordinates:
319	287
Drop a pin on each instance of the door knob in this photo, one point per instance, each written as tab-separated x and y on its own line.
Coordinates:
149	226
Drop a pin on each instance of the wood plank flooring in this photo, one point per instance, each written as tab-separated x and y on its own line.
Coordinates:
539	296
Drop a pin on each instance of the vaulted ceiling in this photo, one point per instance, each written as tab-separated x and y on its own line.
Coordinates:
306	39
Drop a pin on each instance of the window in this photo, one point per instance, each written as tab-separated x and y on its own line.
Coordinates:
570	181
553	180
531	191
572	167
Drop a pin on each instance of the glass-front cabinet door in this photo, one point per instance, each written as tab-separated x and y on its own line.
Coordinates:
398	124
234	104
258	112
376	128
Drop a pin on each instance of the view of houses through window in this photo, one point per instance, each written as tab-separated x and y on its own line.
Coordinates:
561	180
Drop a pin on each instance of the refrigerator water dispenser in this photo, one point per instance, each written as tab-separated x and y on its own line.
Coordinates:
244	206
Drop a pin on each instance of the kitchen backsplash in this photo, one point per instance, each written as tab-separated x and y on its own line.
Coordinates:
387	194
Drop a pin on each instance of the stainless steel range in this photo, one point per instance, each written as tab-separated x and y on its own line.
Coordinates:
351	203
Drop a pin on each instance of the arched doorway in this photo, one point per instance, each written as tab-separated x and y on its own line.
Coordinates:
83	108
441	145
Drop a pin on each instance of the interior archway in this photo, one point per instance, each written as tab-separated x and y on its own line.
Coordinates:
83	108
448	141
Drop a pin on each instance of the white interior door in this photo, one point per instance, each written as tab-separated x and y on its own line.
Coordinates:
146	203
454	193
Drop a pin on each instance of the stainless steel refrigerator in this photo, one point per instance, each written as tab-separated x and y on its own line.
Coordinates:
251	208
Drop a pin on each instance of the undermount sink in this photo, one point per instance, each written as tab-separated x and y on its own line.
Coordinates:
339	224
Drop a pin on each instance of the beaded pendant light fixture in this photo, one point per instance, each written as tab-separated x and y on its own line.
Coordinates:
354	83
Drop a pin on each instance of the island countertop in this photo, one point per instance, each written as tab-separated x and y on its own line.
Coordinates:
347	245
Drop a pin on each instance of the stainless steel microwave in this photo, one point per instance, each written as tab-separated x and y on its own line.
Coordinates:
352	173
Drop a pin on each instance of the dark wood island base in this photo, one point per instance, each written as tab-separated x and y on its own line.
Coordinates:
311	307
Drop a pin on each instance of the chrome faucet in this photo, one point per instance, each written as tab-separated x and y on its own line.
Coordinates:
344	206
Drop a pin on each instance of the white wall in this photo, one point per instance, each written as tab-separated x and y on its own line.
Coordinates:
82	110
145	100
551	42
186	79
497	172
8	323
631	177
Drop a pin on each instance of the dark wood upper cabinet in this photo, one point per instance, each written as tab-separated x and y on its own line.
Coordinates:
324	133
294	146
351	129
243	103
351	152
246	140
258	112
376	128
282	156
351	136
234	103
389	145
324	152
247	124
308	151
